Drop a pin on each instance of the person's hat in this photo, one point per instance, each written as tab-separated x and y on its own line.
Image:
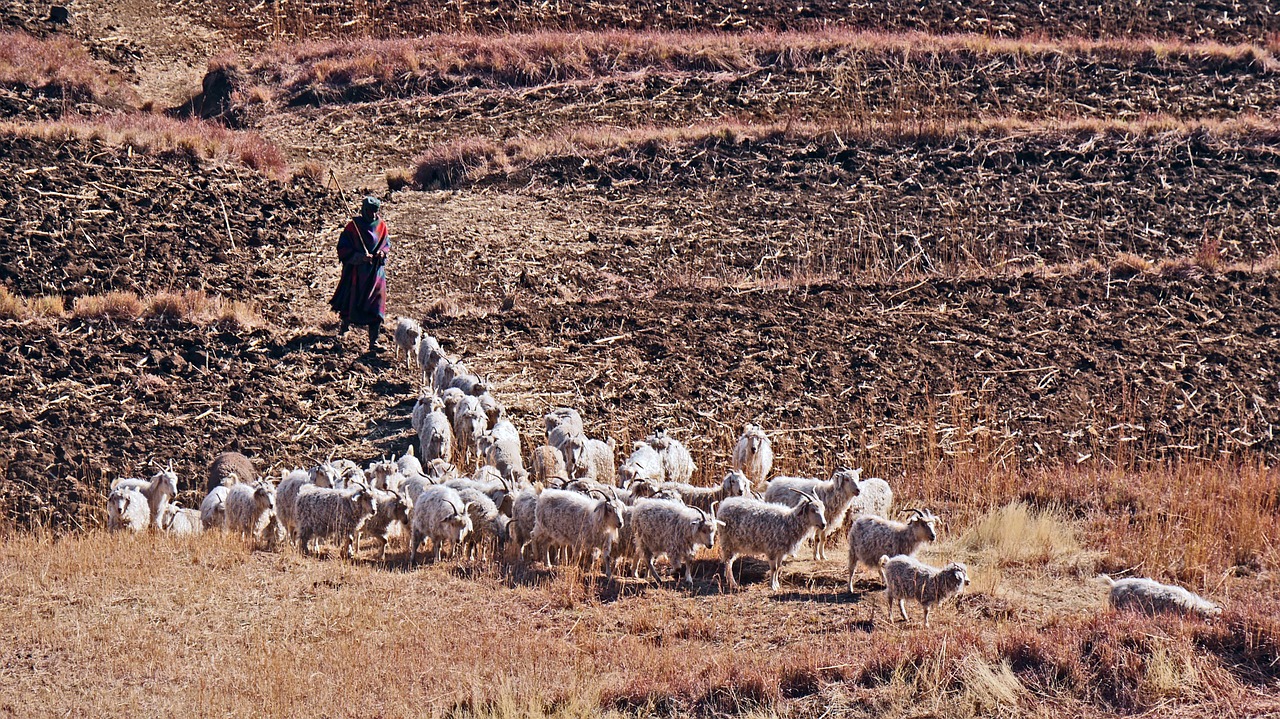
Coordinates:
371	204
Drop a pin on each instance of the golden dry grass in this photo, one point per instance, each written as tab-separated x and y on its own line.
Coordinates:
116	306
473	159
153	625
533	58
157	134
11	306
1018	534
189	306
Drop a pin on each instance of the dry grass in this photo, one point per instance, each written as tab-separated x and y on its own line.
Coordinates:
56	65
154	624
186	306
472	160
538	58
398	179
1127	264
156	134
1017	534
313	172
13	307
46	307
113	306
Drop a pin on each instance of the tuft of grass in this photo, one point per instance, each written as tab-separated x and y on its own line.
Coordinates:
188	306
1017	534
11	306
177	306
992	689
311	171
1209	257
1127	264
238	316
1179	268
114	306
47	307
398	179
160	135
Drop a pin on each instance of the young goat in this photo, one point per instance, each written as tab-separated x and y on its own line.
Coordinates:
753	455
871	538
909	578
161	488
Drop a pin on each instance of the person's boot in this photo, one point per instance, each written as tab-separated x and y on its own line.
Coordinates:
374	329
342	329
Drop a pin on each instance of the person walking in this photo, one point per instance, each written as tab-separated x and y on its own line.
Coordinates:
361	297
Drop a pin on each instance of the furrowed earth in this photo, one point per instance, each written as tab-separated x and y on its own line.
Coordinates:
1019	260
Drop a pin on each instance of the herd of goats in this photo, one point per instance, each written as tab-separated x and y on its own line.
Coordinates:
571	501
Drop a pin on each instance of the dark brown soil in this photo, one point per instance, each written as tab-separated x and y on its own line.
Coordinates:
84	404
904	79
87	218
384	124
27	16
1252	20
791	206
1024	370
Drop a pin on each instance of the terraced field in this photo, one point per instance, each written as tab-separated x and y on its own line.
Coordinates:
1018	260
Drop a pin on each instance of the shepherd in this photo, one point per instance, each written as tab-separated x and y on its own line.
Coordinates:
361	297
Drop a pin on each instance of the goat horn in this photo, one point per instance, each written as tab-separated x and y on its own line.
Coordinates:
802	494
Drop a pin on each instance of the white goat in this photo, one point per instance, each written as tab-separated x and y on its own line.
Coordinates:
429	354
162	487
874	497
439	514
577	523
755	527
677	463
250	511
664	526
734	484
181	521
323	512
213	510
871	538
753	455
408	334
909	578
645	463
836	494
1151	597
127	509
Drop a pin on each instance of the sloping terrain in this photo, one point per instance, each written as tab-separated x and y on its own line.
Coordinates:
87	217
1247	20
1019	260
